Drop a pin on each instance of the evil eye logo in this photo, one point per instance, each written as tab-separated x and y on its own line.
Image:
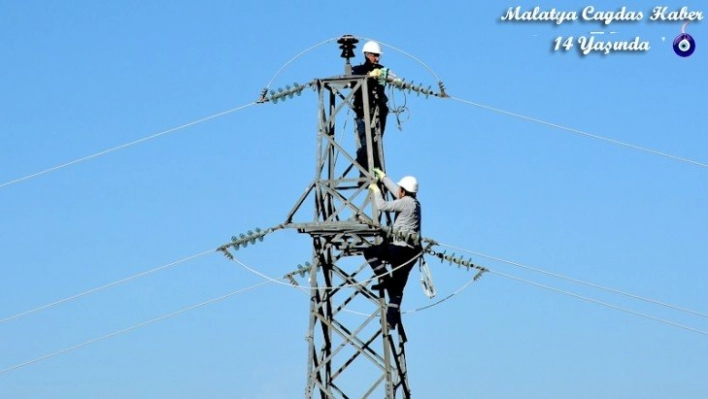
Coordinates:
684	45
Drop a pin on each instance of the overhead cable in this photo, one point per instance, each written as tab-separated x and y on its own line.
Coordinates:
300	54
601	303
589	284
443	94
103	287
453	259
122	146
582	133
125	330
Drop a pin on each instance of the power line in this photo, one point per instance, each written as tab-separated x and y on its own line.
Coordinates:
509	113
440	301
589	284
516	115
528	118
364	282
125	330
418	60
273	280
602	303
466	285
120	147
298	55
582	133
277	281
103	287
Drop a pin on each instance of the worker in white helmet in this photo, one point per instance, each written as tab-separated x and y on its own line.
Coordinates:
377	101
400	252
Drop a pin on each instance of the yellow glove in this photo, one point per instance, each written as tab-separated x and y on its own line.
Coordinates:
375	73
379	174
374	188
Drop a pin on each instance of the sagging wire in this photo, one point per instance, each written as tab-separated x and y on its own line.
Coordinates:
292	283
132	328
300	54
447	298
420	89
468	264
103	287
577	281
412	238
257	235
122	146
303	270
399	110
426	244
399	83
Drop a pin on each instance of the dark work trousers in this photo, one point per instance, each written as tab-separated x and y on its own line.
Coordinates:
401	260
361	152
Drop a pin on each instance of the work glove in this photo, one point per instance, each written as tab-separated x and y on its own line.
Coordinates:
375	73
379	174
374	188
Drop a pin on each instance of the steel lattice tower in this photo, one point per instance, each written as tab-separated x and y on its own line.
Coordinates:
352	352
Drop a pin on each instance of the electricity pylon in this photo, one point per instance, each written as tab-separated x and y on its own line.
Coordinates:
352	352
345	222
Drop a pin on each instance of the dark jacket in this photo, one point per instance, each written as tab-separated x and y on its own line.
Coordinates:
377	95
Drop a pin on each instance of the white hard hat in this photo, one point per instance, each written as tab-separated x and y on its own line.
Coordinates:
409	183
371	47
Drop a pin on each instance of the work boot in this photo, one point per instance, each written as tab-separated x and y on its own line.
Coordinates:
381	285
393	316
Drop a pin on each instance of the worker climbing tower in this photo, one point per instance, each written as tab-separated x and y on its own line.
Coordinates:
352	351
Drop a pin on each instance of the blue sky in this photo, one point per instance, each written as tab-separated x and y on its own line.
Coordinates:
82	77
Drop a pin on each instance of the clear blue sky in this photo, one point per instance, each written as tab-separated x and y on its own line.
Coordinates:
80	77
